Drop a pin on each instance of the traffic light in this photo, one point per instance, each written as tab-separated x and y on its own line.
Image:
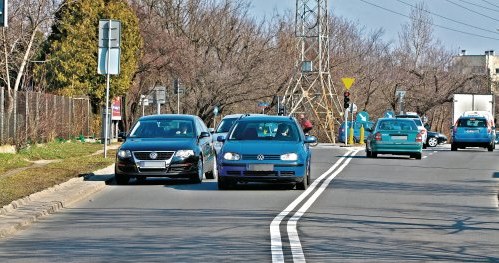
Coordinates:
282	111
346	99
176	86
3	13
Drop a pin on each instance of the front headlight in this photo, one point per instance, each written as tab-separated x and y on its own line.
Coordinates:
289	157
124	154
184	153
232	156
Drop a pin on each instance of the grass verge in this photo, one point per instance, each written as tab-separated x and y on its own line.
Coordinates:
33	180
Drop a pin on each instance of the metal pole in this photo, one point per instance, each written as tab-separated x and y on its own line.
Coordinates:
158	107
1	113
346	126
178	100
143	108
106	129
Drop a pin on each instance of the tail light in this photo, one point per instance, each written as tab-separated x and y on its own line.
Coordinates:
377	137
419	137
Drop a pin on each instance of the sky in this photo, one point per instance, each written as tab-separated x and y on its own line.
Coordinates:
471	25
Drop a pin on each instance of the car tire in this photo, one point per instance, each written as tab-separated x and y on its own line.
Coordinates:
141	179
418	156
369	154
121	179
453	147
197	178
374	155
425	145
303	185
491	147
432	141
223	184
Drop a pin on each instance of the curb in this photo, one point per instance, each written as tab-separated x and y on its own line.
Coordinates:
21	213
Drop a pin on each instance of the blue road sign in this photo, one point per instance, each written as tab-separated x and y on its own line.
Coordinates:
389	114
362	116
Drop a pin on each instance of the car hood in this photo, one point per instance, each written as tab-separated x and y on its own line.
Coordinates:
154	144
259	147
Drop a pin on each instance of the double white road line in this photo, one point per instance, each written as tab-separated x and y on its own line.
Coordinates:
294	239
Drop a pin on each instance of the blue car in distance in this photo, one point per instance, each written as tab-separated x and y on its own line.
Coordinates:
356	130
265	148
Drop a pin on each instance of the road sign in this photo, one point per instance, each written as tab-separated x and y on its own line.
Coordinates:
109	45
352	108
263	104
348	82
362	116
160	94
389	114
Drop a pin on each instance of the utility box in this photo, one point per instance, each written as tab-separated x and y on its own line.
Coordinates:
109	127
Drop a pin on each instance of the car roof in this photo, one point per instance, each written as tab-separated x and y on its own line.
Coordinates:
263	117
230	116
168	116
407	116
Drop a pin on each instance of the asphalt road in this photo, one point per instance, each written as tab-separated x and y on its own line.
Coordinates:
441	208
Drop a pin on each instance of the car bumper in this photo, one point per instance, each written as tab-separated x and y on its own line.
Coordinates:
172	170
280	173
397	148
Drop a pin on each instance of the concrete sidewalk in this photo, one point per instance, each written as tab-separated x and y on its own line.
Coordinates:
23	212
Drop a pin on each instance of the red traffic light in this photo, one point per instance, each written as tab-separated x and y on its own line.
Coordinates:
346	94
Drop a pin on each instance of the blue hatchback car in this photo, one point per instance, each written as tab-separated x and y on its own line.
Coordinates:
473	131
265	148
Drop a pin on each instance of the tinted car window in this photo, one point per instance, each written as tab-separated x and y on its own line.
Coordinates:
164	128
398	125
472	122
265	130
225	125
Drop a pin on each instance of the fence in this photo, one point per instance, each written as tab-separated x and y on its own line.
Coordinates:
40	117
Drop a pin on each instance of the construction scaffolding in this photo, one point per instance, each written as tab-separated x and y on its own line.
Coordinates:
311	90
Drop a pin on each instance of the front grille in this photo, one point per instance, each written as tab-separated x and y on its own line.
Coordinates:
260	173
145	155
287	173
237	173
271	157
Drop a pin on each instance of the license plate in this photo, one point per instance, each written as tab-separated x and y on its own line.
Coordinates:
260	167
471	131
399	137
152	164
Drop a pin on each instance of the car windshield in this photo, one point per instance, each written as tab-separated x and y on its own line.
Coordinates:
397	125
472	122
265	130
225	125
163	128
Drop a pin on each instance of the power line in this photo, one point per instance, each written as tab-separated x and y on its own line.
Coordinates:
481	6
490	3
436	25
473	11
450	19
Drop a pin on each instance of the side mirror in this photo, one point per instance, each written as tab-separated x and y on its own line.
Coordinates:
221	138
368	129
310	139
204	135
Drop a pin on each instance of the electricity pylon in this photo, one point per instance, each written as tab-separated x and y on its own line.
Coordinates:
311	90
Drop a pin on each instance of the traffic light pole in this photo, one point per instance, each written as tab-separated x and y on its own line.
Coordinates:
346	126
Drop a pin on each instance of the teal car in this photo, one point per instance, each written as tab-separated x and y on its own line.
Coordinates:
264	148
395	136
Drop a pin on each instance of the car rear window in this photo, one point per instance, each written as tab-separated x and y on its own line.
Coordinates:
472	122
397	125
225	125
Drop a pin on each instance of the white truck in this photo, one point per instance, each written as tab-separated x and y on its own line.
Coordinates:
471	102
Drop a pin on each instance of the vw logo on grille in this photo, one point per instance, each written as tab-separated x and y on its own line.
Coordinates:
153	155
260	157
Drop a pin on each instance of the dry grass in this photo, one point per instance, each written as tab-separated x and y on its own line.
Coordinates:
76	162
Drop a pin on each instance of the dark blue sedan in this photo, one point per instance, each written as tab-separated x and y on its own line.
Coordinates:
171	145
265	149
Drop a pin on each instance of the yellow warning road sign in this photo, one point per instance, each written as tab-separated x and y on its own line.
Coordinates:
348	82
